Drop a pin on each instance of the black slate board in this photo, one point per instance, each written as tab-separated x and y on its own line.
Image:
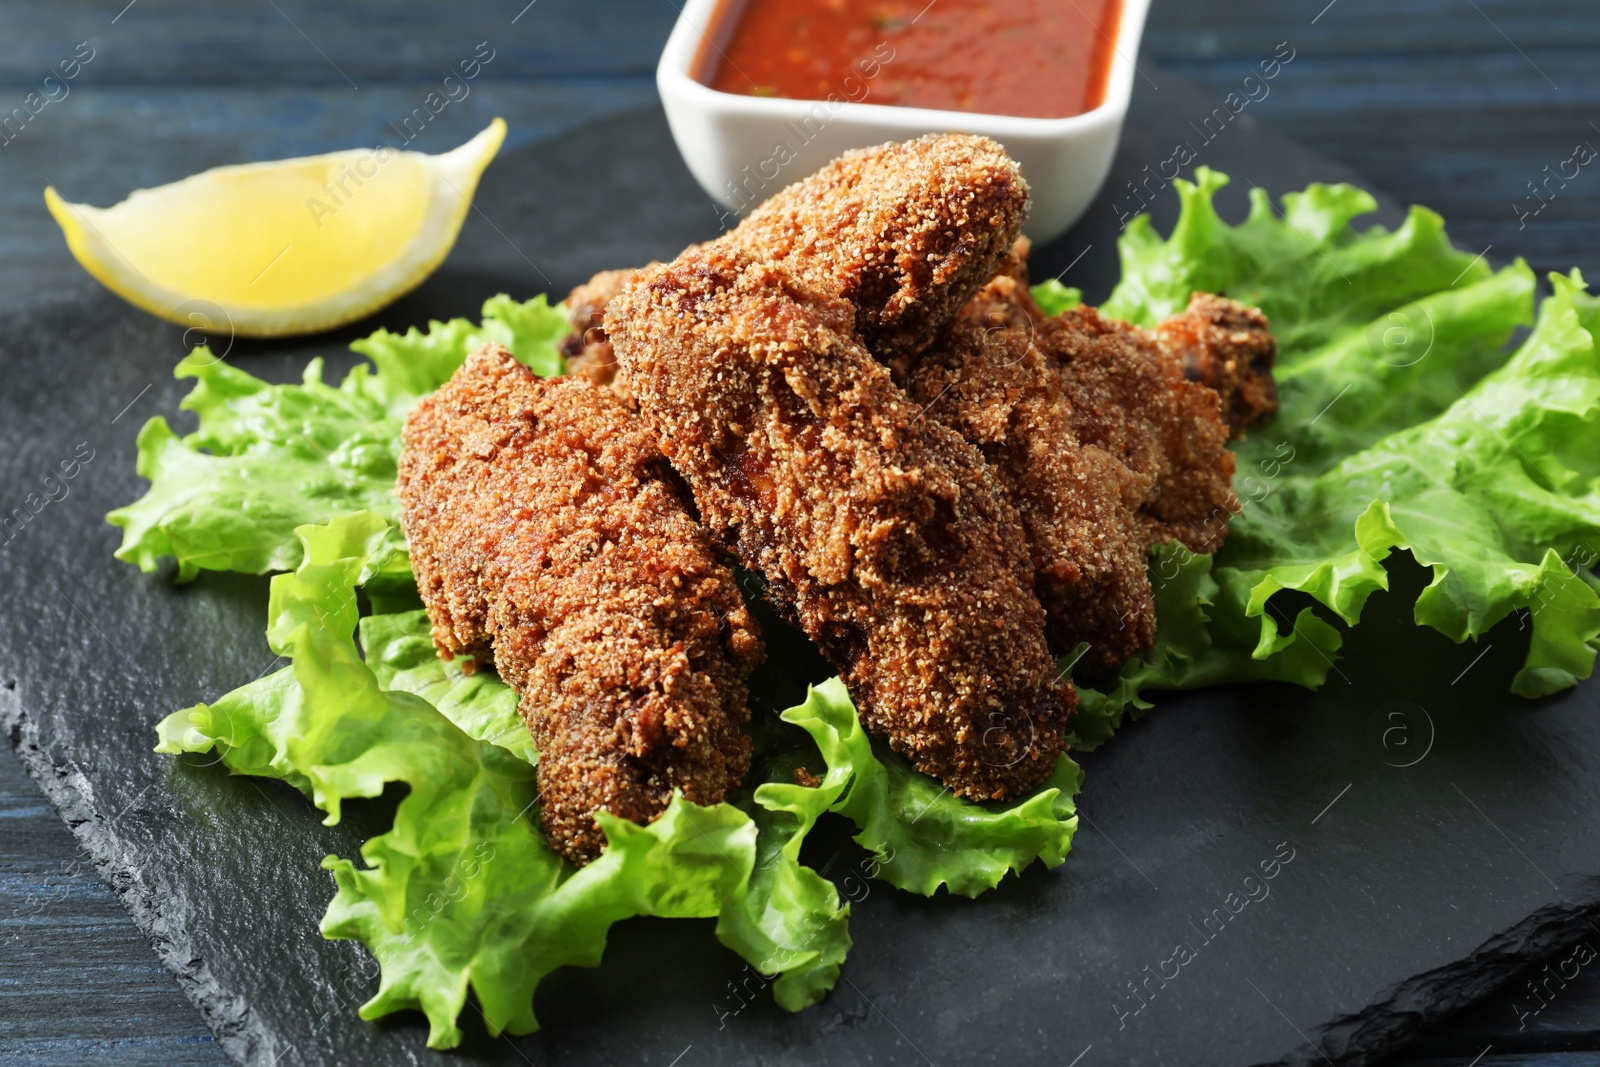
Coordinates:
1439	828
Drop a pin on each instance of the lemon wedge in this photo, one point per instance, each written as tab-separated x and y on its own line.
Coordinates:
284	247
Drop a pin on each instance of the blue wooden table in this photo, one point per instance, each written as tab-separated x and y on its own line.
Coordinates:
1464	105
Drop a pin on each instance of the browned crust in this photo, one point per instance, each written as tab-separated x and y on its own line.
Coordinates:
877	530
1099	435
1133	394
586	349
1078	502
545	527
905	232
1229	347
1132	400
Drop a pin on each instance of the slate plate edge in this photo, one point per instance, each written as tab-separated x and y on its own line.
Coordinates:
1383	1026
226	1014
1377	1030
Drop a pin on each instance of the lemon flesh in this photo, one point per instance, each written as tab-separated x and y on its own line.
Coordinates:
284	247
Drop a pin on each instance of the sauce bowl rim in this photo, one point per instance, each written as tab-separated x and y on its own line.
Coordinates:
675	74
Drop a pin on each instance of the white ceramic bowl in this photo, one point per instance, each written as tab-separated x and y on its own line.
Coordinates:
743	149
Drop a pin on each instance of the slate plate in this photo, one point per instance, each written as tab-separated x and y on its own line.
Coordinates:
1429	833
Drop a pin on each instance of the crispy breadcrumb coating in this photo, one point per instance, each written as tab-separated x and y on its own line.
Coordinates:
1105	439
878	531
586	349
545	527
1005	299
1220	343
1228	346
1078	502
1132	395
905	232
1134	401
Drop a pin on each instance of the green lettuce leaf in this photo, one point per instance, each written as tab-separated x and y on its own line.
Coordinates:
1305	265
1499	494
788	917
1193	649
400	653
488	906
1053	298
267	459
1404	424
921	835
463	893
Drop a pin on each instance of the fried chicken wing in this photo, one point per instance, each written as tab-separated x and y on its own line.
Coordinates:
1106	438
1130	399
547	529
905	232
1133	393
1078	503
587	349
1229	347
878	530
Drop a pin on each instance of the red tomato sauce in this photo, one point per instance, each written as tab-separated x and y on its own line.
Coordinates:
1033	58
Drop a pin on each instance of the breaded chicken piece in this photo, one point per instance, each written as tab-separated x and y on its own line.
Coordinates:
1220	343
1133	395
905	232
1078	503
1005	299
1101	438
547	529
1228	346
1131	399
586	348
878	531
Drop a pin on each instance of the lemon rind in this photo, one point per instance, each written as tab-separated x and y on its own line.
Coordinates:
454	179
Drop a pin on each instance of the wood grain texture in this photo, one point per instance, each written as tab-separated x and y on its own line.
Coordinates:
1457	104
295	42
77	981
